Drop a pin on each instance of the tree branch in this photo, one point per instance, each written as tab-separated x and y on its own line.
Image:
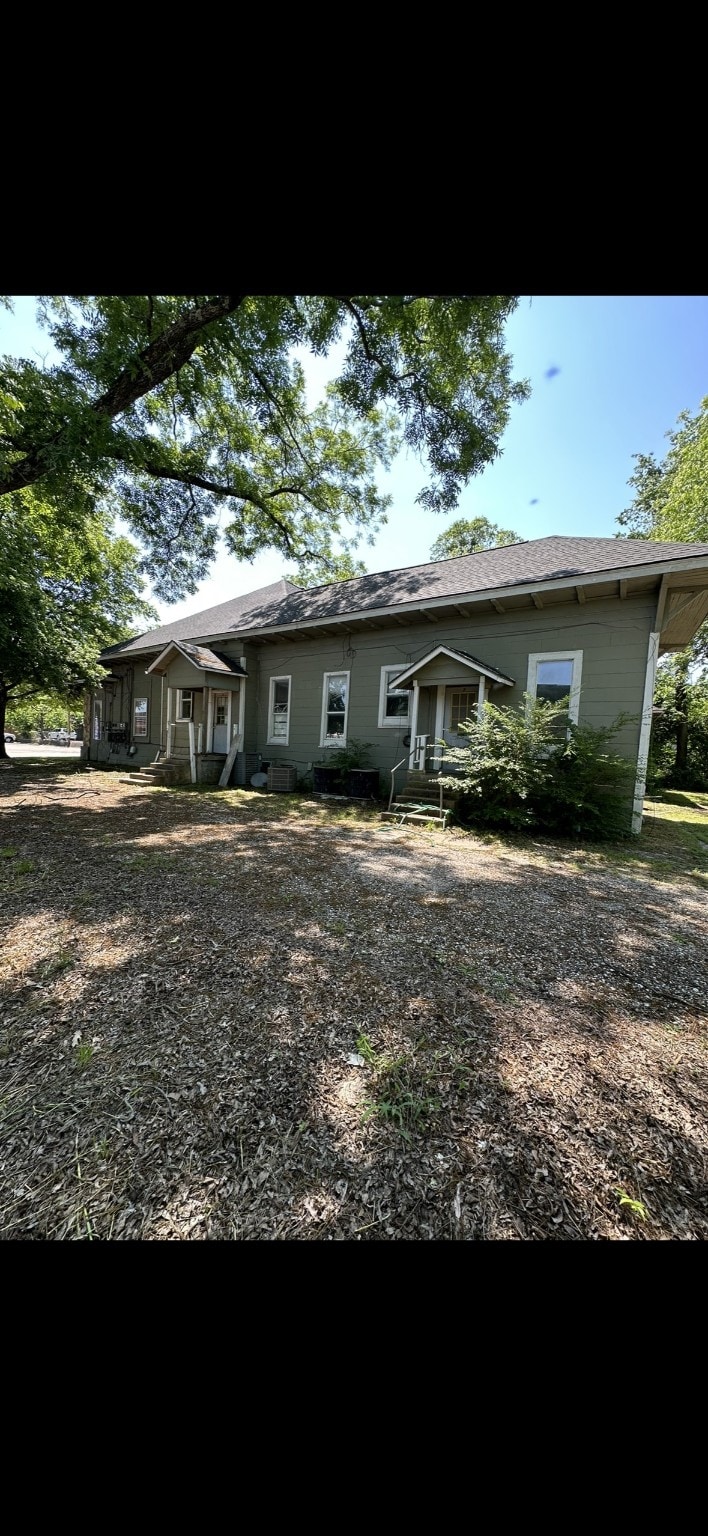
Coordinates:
157	362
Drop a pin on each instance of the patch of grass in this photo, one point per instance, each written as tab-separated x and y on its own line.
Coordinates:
62	961
630	1206
151	860
8	853
401	1095
22	867
83	1055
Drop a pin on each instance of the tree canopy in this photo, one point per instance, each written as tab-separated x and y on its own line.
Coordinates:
176	410
67	590
671	495
671	502
468	535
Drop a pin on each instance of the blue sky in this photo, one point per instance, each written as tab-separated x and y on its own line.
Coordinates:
609	375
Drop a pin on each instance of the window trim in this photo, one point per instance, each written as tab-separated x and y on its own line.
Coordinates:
394	721
334	741
142	735
183	719
576	657
271	739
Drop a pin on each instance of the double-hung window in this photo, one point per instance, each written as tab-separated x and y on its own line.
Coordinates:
279	711
555	675
335	709
140	717
394	703
185	704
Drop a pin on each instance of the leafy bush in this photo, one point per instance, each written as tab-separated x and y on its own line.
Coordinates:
530	767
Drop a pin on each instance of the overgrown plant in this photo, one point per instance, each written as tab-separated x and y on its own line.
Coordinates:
531	768
400	1095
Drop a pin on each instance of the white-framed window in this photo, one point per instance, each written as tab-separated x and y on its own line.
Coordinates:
140	717
97	718
394	703
556	675
335	709
185	704
279	711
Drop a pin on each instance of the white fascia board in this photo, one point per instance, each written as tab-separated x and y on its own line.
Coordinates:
444	650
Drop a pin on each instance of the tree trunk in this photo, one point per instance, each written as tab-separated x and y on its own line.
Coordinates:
3	709
681	702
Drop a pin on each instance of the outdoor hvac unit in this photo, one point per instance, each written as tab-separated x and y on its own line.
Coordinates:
282	777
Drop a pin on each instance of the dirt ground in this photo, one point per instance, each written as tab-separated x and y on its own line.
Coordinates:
232	1015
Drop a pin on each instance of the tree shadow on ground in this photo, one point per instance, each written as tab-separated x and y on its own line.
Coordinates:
183	1034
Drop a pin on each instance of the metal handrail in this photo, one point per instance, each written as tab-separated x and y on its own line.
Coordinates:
410	753
393	771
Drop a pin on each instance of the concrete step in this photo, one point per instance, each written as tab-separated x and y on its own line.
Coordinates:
151	776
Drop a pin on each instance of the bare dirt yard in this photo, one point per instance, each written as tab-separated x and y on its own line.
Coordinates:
233	1015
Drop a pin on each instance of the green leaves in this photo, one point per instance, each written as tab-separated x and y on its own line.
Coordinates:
671	497
468	535
520	773
175	408
67	589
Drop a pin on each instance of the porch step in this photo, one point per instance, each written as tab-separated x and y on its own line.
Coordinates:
157	773
423	796
428	815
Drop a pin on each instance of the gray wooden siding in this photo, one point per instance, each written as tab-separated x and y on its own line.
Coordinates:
612	634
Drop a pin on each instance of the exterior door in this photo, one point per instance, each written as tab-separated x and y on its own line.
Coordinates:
221	723
460	704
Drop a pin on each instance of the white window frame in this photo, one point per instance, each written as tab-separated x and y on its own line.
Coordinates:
387	723
181	693
145	715
272	739
97	720
334	741
577	659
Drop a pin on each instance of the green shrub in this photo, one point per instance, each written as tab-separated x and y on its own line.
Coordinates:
530	768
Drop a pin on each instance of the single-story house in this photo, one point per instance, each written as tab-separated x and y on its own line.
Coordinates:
400	658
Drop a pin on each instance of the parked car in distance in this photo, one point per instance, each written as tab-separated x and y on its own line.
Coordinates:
9	736
58	738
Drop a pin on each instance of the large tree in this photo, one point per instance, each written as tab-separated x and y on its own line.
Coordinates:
468	535
671	494
67	589
671	502
174	409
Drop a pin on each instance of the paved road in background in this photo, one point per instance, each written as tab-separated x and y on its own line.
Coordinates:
48	749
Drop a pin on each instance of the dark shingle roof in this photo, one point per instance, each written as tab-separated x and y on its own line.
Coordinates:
208	660
533	562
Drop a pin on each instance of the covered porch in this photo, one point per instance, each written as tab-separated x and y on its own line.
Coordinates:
205	709
448	687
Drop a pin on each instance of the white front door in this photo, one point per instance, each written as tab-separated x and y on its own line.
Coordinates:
221	723
460	704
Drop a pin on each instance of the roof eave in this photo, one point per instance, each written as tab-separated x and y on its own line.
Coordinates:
449	599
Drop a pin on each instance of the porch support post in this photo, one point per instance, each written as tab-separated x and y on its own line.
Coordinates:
241	709
645	732
210	720
414	722
439	724
192	753
170	720
481	696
